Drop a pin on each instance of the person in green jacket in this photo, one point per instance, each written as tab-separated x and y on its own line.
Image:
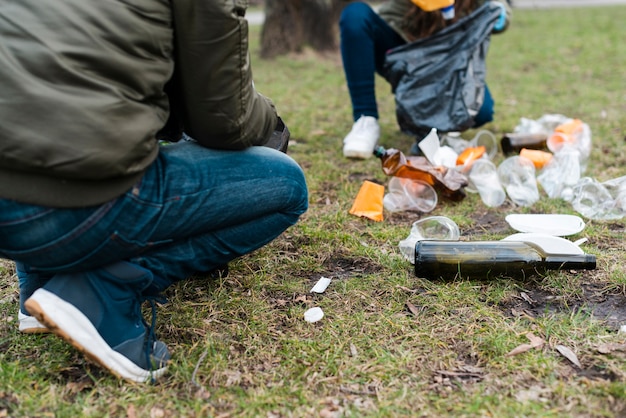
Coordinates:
97	215
366	37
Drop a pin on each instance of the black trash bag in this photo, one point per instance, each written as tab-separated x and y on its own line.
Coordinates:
439	81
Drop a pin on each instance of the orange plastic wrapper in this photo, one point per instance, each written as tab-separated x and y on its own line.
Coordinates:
565	133
469	155
369	201
539	158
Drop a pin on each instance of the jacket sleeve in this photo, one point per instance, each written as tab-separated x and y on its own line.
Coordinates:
218	104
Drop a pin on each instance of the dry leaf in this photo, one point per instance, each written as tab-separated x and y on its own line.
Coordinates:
406	289
157	412
353	351
130	411
301	298
412	308
568	354
519	350
610	347
534	340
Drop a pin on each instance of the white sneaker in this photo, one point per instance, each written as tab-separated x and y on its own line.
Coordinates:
362	139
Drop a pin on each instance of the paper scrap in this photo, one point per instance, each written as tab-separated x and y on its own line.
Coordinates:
313	314
430	145
321	285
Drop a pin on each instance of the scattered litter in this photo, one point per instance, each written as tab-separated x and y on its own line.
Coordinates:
321	285
569	354
313	314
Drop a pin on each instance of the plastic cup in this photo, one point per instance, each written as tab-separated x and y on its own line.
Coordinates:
488	140
517	176
484	178
430	228
593	200
410	195
454	141
435	228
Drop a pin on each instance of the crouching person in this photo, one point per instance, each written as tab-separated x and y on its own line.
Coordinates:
97	215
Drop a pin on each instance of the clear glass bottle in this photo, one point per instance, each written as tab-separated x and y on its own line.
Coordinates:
491	259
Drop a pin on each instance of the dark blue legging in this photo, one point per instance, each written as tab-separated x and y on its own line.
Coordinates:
365	40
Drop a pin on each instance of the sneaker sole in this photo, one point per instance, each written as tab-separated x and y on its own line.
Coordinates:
70	324
29	324
361	155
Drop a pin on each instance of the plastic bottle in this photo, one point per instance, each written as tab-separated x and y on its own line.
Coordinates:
512	143
491	259
448	182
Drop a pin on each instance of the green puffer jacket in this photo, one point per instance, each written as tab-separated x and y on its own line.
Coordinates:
82	91
393	13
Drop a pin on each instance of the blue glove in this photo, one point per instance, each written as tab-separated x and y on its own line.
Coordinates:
501	22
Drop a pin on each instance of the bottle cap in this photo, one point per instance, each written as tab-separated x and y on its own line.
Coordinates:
448	12
379	151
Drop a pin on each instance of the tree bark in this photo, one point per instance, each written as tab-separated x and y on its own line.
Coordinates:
290	25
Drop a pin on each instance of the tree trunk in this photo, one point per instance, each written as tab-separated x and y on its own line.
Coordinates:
290	25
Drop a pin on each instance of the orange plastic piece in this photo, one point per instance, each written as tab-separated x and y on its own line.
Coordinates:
565	133
538	157
471	154
369	201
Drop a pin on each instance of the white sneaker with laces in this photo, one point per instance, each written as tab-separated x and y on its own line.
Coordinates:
362	139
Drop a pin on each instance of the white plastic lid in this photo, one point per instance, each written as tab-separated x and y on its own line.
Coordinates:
551	224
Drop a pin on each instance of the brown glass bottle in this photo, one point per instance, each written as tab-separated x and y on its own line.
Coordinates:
449	183
491	259
512	143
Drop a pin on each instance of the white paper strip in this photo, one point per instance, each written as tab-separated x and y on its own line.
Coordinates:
321	285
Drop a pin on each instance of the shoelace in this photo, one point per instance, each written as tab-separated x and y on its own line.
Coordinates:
150	335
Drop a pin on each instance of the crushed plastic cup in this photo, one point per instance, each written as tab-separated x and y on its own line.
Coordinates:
517	176
573	133
561	174
484	177
594	201
409	195
485	139
454	141
430	228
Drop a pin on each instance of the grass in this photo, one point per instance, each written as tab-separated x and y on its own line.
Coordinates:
391	344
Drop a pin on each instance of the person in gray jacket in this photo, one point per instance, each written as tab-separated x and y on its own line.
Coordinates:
97	215
366	37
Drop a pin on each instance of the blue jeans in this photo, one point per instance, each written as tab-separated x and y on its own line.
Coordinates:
365	40
194	210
